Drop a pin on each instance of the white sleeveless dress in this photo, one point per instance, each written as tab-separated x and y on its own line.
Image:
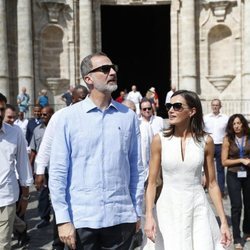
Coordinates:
185	218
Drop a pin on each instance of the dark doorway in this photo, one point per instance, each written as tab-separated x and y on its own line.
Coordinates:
137	38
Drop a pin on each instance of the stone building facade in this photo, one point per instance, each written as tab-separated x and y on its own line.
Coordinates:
43	41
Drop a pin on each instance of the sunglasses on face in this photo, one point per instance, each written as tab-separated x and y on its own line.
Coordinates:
149	108
176	106
105	69
44	114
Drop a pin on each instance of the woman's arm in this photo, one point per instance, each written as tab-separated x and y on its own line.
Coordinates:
154	168
214	190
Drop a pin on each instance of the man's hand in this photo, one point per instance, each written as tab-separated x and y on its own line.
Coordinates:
138	226
22	206
39	181
67	234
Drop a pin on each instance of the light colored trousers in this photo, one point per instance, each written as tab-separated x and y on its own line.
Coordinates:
7	217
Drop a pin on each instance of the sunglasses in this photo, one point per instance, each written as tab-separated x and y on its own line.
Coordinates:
105	69
44	114
149	108
176	106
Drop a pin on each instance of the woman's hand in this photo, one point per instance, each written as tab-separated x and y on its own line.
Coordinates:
226	237
150	228
245	161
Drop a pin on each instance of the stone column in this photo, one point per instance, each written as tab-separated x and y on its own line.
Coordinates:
25	55
188	50
85	28
175	60
246	52
4	72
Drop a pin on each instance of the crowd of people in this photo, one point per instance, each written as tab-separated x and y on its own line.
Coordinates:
111	170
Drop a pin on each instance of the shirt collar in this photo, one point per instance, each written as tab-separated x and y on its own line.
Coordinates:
88	105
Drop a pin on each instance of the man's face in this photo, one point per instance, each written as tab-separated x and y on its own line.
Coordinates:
2	112
216	106
146	110
37	112
10	116
78	95
21	115
105	82
45	115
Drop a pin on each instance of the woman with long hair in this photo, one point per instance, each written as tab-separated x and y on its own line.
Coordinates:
235	156
185	218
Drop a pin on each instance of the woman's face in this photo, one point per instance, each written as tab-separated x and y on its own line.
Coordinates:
178	111
237	126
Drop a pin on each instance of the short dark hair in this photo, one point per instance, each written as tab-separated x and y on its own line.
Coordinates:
3	98
11	107
86	64
145	99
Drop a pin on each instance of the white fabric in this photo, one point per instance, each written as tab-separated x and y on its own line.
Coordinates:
22	124
146	139
43	156
157	124
186	220
135	97
216	126
168	96
13	155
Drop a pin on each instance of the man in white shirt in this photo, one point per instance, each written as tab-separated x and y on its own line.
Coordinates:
22	122
215	124
170	93
135	96
42	159
13	154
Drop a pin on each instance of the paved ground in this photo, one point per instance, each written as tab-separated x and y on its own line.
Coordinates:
41	239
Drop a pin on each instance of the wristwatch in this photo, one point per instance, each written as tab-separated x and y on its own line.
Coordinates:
26	198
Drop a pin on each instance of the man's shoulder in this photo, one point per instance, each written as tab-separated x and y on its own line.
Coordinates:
39	128
12	129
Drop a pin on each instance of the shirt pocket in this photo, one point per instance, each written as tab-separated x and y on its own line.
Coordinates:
124	140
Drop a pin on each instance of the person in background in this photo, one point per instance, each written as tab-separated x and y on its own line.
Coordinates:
13	156
135	96
185	218
97	208
129	104
147	114
33	122
153	97
215	125
43	99
44	204
10	114
67	96
43	157
22	122
236	157
170	93
23	100
121	98
20	226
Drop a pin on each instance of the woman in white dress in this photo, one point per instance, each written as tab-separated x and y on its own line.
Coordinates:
185	218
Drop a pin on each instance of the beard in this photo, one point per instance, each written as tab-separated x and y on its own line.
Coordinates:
107	88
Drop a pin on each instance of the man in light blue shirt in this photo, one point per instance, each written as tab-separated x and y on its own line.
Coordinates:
96	174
